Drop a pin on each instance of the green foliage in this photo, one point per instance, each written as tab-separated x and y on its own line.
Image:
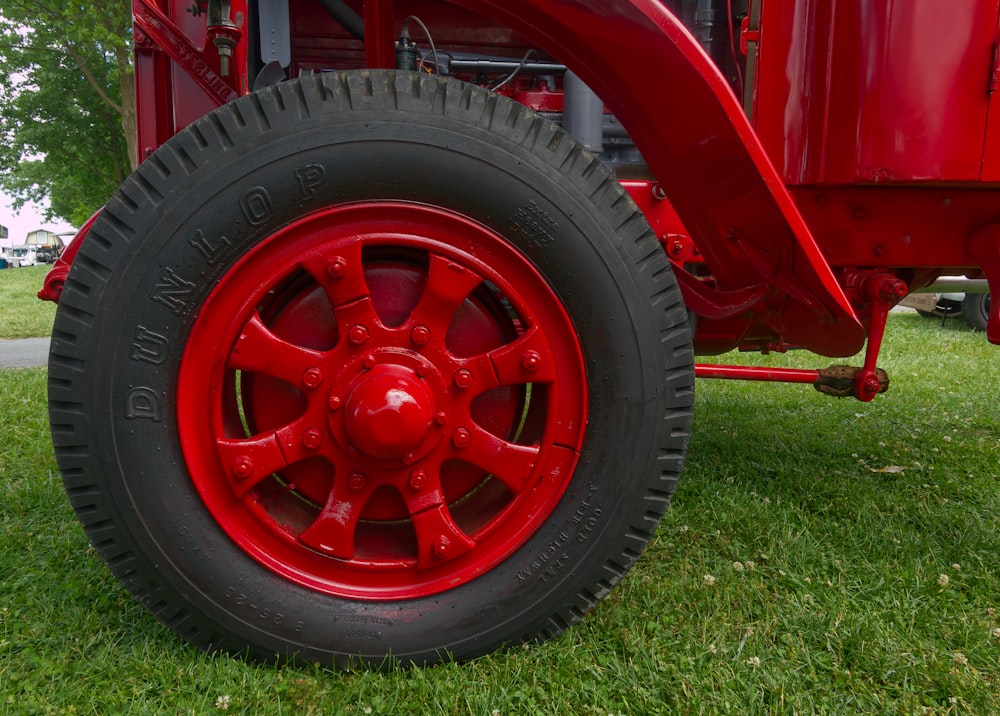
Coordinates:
821	556
66	103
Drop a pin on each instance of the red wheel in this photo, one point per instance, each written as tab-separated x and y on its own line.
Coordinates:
396	400
370	365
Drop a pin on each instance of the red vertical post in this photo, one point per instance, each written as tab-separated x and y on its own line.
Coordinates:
379	22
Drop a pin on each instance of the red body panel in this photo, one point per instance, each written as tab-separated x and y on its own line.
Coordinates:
884	92
868	155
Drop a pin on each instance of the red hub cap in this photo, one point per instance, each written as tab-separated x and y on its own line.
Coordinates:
389	412
382	400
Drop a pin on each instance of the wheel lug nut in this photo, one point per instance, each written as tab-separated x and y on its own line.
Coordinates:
441	547
420	335
312	378
418	478
243	467
357	335
369	361
357	481
460	438
312	439
335	402
531	361
441	418
463	378
337	267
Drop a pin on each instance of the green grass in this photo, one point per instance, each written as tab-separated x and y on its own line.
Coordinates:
22	315
800	569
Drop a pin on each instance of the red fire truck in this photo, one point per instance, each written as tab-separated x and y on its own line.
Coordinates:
386	350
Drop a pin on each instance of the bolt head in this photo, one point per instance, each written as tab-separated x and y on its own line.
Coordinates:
531	361
357	335
243	467
420	335
357	481
461	438
312	378
441	547
418	478
312	439
335	402
463	378
336	267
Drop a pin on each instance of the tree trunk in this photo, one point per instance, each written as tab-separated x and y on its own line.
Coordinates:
126	81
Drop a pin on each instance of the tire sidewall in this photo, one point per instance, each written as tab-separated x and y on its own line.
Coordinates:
208	222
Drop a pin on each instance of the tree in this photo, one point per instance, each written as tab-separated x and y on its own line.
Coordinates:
67	103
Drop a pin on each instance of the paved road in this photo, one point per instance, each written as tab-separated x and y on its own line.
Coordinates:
24	352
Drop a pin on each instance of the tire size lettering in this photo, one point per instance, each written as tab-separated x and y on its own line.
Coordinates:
552	559
362	619
535	227
189	543
264	614
362	634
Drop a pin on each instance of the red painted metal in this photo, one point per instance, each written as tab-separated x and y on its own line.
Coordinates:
879	116
382	400
643	63
171	95
991	151
875	92
882	291
55	278
757	373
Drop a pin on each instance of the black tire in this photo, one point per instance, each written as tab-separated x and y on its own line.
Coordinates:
976	310
200	215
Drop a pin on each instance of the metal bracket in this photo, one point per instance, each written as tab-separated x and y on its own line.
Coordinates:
883	291
151	21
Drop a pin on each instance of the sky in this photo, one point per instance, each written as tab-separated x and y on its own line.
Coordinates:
29	219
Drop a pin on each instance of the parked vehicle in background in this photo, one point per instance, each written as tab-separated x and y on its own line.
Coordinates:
40	246
23	255
47	254
957	296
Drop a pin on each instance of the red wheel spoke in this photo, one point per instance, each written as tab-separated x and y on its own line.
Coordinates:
249	461
357	316
448	285
439	539
526	360
334	529
341	274
259	351
512	464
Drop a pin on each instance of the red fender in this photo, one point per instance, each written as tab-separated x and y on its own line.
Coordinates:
55	279
697	141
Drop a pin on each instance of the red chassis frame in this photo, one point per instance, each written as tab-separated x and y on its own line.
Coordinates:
866	168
